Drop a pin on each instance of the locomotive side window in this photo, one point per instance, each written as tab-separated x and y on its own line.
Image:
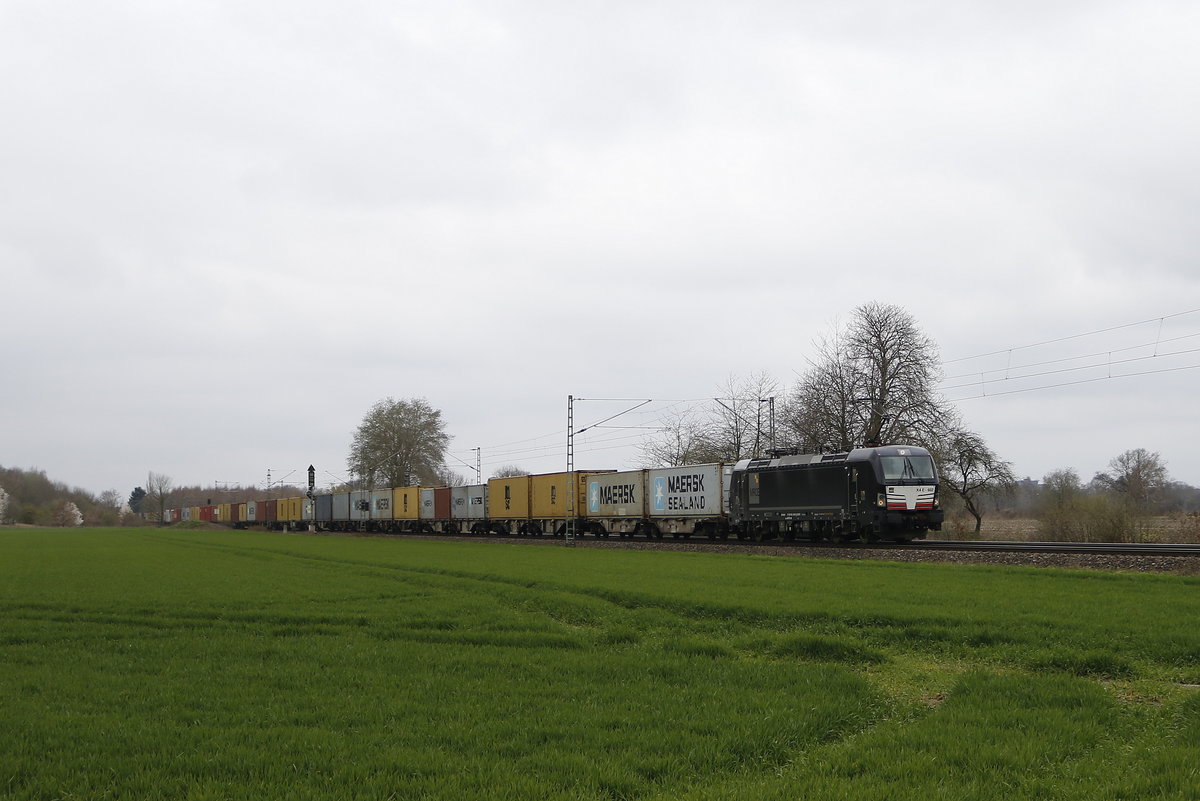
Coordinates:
902	467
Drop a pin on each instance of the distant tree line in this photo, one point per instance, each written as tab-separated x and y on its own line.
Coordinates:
1126	502
30	497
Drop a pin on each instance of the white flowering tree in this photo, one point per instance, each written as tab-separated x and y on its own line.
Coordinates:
68	515
3	503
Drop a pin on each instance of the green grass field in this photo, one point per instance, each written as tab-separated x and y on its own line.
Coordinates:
174	664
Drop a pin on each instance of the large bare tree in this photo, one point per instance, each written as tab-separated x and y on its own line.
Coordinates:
871	382
398	444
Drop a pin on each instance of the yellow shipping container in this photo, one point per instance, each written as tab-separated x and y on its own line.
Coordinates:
550	499
194	512
406	503
508	498
221	513
287	510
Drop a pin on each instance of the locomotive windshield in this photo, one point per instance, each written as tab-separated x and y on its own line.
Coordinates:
897	468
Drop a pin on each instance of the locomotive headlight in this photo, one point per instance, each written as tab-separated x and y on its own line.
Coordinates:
881	501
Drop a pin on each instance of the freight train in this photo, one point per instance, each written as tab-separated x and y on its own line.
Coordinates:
887	493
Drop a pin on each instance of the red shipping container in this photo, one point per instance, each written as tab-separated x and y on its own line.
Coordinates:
441	503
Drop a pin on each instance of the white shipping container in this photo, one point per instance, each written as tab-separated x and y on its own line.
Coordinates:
469	503
360	505
251	511
617	494
689	491
381	504
428	507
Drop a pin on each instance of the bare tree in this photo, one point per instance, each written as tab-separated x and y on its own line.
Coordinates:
510	470
970	470
871	383
158	495
740	426
1138	476
1060	487
398	444
450	478
685	438
822	413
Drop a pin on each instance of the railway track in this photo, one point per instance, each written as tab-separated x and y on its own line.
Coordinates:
1118	555
1103	548
1148	558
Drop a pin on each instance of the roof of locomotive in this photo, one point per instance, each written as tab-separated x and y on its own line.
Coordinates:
856	455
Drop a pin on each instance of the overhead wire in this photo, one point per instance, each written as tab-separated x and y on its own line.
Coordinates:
1000	380
1109	363
1071	336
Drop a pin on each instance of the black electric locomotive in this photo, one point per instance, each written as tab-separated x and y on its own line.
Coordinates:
869	493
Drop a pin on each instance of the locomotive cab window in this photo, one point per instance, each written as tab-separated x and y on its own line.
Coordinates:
898	468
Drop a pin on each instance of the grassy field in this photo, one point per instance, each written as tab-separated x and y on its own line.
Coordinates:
142	664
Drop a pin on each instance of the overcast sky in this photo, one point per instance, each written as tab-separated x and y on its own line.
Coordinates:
228	228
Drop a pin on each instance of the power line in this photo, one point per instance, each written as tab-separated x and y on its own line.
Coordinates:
1110	364
1081	381
1072	336
1076	358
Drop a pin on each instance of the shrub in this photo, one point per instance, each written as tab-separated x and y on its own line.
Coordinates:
1091	518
